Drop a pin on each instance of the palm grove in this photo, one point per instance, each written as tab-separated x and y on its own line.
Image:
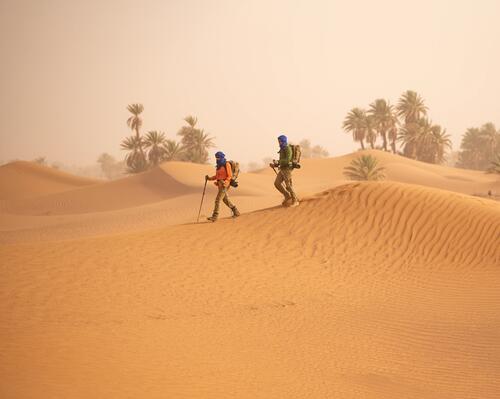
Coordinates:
382	126
154	147
407	124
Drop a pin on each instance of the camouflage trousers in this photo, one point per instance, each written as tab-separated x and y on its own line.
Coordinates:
284	185
222	195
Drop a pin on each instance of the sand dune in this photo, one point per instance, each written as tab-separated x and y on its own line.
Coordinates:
136	190
23	179
167	195
168	181
172	211
324	173
170	194
368	290
176	179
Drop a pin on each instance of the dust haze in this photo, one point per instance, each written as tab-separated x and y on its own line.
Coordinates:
362	261
248	70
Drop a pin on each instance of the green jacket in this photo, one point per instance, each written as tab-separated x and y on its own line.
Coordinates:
285	157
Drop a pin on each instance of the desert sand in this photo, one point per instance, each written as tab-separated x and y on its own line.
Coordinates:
366	290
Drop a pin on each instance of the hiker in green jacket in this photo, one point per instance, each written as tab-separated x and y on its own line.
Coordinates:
283	182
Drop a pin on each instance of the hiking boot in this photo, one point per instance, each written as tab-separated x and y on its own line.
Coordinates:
212	218
294	204
286	201
236	212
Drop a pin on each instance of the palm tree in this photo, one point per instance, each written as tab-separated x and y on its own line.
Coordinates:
413	137
355	122
471	154
195	142
495	165
201	142
411	107
383	116
173	151
364	167
134	123
371	135
425	142
491	140
479	146
186	132
392	132
135	160
441	142
409	140
155	143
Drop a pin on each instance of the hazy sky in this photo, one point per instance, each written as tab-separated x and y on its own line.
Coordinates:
249	70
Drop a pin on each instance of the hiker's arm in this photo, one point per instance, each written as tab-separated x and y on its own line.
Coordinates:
210	177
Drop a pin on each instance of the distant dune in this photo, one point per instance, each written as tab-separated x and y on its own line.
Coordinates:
367	290
170	180
136	190
325	172
23	179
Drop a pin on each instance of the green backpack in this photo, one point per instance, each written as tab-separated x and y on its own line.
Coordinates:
296	153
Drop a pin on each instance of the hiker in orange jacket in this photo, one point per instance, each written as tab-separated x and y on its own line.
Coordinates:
222	178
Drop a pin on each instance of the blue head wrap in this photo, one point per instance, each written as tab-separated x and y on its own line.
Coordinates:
283	141
221	159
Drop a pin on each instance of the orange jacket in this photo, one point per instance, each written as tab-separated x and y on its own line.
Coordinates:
223	174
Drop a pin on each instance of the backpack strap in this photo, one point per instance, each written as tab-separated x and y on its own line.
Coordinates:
229	170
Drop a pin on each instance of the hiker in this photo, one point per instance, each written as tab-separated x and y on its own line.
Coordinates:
222	177
283	181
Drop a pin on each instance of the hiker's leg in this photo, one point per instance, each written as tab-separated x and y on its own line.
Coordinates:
226	199
287	174
228	202
278	183
220	195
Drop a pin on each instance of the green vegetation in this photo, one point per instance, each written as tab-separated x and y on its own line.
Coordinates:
407	123
364	167
480	148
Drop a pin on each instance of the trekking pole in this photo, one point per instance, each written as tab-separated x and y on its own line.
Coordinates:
202	197
274	170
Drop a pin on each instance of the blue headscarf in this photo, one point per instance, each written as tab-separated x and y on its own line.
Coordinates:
221	159
283	141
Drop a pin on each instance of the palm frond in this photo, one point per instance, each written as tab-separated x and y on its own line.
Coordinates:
135	109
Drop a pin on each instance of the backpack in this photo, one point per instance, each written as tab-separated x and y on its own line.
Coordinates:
235	168
296	153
